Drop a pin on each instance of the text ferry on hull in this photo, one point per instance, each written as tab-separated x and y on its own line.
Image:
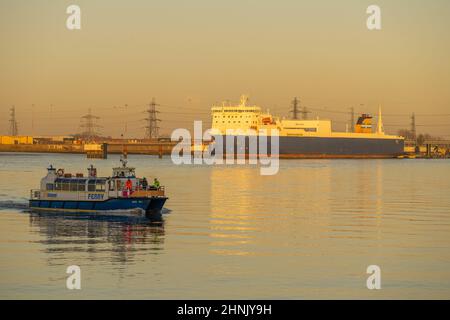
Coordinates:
64	192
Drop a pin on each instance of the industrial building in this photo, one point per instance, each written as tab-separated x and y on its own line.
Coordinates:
16	140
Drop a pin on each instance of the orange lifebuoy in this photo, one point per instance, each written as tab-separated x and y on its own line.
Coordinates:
60	172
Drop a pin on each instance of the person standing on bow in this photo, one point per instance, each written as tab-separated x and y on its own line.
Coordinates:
129	187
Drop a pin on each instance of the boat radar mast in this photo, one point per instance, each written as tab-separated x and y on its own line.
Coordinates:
123	161
244	99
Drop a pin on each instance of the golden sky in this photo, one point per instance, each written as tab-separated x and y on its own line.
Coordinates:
191	54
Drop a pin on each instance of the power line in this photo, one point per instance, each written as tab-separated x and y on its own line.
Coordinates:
88	122
152	128
295	111
320	109
305	112
327	110
32	119
388	114
413	126
352	119
14	130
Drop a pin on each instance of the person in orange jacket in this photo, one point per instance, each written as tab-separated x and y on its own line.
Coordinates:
129	186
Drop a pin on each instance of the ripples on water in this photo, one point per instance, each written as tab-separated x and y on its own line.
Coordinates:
308	232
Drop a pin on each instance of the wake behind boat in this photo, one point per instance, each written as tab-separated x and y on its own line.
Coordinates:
64	192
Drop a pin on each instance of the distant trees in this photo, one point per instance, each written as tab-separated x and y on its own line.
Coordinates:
407	134
420	139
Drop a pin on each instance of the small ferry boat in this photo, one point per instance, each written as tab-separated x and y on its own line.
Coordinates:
60	191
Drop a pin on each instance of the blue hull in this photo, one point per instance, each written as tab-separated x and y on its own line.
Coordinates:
149	205
340	147
323	147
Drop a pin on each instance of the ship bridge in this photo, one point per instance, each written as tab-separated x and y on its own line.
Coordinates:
235	117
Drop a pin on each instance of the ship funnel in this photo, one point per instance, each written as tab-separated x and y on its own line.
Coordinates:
364	124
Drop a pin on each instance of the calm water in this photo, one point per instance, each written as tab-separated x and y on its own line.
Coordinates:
308	232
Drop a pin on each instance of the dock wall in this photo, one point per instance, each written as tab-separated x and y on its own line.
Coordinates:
150	149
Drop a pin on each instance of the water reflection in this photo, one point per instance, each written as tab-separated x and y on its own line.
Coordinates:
232	224
107	239
308	232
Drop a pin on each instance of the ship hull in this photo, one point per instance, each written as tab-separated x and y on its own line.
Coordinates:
340	147
152	205
328	147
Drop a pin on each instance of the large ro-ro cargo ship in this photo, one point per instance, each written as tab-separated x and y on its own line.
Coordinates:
308	138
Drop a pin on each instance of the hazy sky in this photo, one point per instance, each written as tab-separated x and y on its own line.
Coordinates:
191	54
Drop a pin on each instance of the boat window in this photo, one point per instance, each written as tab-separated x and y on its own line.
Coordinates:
81	185
100	185
50	186
65	186
91	185
74	185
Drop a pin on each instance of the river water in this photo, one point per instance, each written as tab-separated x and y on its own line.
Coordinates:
228	232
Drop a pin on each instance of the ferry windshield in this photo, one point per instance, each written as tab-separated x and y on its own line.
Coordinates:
61	184
96	185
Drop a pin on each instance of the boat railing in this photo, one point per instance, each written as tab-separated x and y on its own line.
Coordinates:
150	188
35	194
139	191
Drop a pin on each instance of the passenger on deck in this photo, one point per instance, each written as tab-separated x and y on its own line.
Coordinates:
144	183
128	186
156	183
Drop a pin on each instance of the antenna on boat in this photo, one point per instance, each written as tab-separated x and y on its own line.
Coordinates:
124	161
123	156
244	99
